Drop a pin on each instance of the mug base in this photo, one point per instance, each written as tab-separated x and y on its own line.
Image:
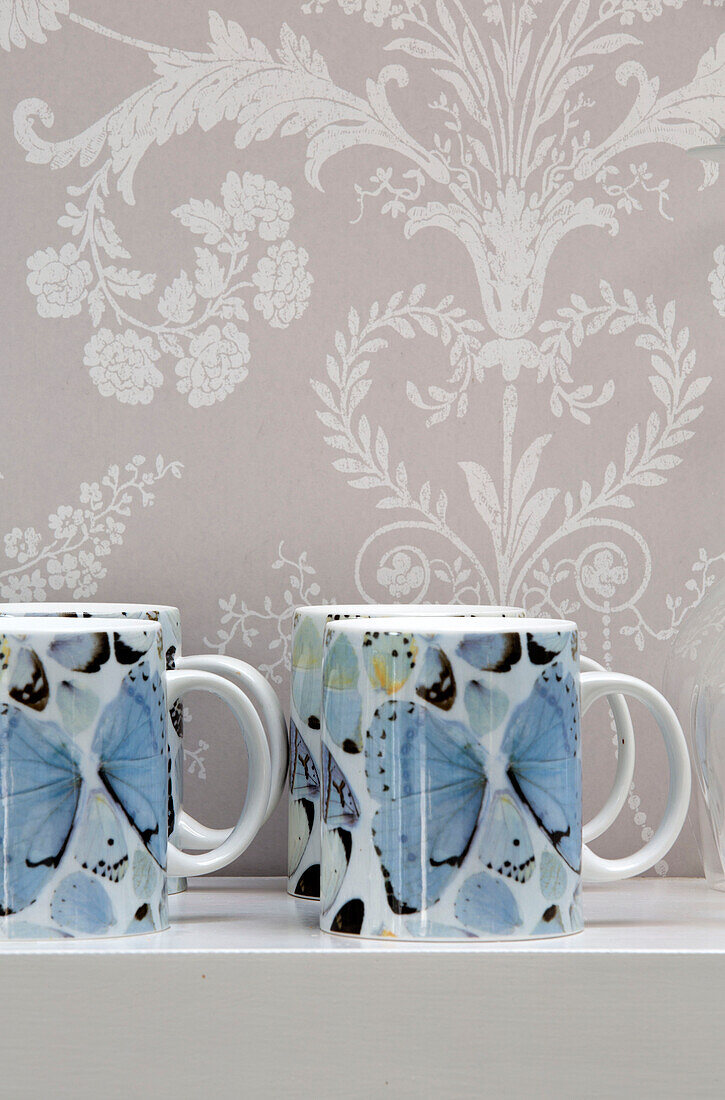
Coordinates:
306	883
175	884
39	934
302	897
462	940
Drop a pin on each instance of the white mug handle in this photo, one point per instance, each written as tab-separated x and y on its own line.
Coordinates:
619	793
191	833
253	814
595	685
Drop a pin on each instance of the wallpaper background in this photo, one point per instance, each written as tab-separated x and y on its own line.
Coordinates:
369	299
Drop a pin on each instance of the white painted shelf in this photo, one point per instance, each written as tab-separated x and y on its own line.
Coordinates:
245	997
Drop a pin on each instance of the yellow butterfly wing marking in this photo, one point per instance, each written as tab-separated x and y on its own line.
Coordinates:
4	653
391	666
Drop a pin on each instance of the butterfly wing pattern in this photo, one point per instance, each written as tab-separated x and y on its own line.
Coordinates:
28	683
342	703
307	672
101	847
129	740
389	659
336	851
486	904
81	652
81	905
490	652
303	778
506	846
339	805
436	682
544	768
429	779
40	783
544	648
299	827
475	795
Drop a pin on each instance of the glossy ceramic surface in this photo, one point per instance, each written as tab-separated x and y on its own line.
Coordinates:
303	852
169	620
83	830
184	830
450	784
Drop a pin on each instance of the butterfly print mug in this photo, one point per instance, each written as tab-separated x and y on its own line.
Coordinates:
184	831
84	777
458	815
303	853
303	849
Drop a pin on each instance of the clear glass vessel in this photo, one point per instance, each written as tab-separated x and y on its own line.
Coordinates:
695	684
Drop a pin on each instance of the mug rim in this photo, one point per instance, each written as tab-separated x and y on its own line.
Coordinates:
387	624
375	610
50	624
61	608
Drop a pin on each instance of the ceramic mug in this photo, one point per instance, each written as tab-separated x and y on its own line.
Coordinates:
461	818
84	777
303	850
184	830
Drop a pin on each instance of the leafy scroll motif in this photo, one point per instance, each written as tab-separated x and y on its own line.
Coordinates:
199	312
523	519
239	80
23	21
242	624
510	174
690	116
717	280
69	558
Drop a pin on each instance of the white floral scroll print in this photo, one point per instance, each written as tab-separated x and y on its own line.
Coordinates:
717	280
199	313
241	625
23	21
510	176
68	559
59	281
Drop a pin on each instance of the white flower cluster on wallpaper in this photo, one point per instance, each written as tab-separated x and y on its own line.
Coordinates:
198	313
506	155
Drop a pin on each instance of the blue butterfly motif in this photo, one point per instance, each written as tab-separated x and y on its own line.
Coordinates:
307	672
436	682
129	741
551	923
100	846
131	647
486	904
543	648
304	781
26	681
81	652
342	704
429	777
339	805
486	706
80	904
490	652
39	803
143	920
544	768
506	846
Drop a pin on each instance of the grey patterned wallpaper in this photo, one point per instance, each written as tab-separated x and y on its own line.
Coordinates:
368	299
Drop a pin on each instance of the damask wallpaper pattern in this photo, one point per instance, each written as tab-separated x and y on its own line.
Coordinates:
376	299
